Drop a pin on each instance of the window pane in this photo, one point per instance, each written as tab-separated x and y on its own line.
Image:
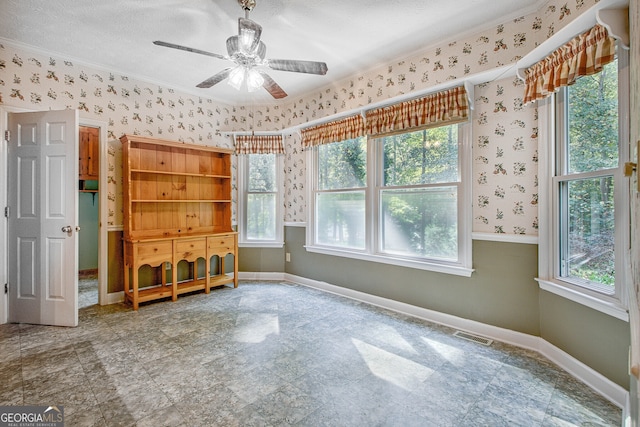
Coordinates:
261	216
590	246
420	223
340	219
422	157
262	172
593	121
342	164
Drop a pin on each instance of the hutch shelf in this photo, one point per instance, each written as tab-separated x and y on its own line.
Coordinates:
177	207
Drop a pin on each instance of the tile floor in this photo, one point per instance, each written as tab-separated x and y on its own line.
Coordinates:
270	354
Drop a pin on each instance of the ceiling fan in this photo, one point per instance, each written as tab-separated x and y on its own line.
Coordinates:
247	52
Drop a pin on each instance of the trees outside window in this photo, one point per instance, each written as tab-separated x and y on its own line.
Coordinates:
587	156
259	208
419	194
395	199
340	199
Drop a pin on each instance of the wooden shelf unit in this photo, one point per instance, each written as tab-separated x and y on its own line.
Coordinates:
89	159
177	206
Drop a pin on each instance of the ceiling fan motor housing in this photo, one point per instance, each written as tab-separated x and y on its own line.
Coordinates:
247	5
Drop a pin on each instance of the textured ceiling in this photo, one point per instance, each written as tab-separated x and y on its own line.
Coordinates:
349	35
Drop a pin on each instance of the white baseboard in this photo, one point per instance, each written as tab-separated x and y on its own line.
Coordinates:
115	297
602	385
242	275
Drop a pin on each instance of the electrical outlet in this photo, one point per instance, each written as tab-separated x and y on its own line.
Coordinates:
287	257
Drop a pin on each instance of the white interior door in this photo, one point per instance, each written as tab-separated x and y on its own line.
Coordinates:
43	198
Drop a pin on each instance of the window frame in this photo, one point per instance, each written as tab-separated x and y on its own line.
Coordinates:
552	113
243	186
461	267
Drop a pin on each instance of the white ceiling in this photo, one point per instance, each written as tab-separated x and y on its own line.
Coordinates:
351	36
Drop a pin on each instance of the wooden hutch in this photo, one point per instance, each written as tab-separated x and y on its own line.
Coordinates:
177	206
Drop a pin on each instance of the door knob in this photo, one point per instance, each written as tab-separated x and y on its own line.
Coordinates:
67	229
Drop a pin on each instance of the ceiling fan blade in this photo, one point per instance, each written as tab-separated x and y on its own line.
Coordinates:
215	79
188	49
272	87
309	67
249	33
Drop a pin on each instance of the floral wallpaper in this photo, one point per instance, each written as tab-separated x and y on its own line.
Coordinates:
505	188
34	81
505	160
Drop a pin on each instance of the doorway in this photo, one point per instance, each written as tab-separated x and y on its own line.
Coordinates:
88	215
92	216
100	201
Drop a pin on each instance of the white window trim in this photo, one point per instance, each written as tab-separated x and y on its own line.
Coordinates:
548	262
243	169
461	268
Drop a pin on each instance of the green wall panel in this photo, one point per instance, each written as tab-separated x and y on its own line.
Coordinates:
261	259
501	292
596	339
89	230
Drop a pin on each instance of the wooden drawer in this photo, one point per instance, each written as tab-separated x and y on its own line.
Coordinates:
221	244
153	253
191	250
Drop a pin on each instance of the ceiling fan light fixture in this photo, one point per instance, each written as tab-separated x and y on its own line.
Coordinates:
236	77
254	80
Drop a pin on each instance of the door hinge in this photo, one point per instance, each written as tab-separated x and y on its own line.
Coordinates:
6	211
6	288
7	135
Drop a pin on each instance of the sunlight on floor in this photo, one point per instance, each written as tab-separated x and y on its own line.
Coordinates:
398	370
448	352
391	337
256	327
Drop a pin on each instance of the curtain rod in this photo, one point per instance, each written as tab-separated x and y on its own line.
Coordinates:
284	133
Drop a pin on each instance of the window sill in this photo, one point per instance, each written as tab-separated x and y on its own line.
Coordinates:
261	245
614	309
457	270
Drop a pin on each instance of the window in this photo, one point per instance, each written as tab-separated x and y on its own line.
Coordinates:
340	196
588	213
588	153
260	205
418	194
396	199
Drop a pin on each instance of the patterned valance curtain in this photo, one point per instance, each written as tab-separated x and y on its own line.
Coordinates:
438	109
584	55
259	144
338	130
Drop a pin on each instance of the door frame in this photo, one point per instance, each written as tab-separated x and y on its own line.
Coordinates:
4	200
103	265
103	238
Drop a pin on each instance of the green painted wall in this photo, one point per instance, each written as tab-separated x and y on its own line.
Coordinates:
501	292
259	259
89	231
596	339
115	262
